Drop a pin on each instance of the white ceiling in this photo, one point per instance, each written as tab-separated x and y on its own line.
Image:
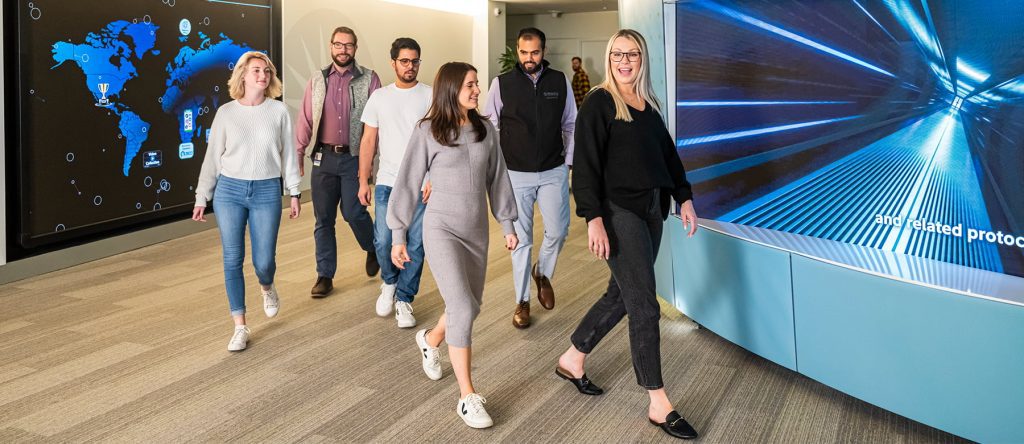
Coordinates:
526	7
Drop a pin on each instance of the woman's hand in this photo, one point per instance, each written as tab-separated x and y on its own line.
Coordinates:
296	208
198	214
689	217
426	192
400	256
598	238
511	241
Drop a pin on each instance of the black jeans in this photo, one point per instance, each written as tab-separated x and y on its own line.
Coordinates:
634	242
335	183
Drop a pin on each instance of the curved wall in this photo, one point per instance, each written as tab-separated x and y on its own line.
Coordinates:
948	358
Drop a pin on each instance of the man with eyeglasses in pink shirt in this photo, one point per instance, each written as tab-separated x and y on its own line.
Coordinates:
329	130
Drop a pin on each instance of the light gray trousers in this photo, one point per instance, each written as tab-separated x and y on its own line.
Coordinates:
549	190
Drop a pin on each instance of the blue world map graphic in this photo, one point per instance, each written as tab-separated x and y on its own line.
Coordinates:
107	59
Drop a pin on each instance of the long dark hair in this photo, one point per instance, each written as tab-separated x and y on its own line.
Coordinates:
445	112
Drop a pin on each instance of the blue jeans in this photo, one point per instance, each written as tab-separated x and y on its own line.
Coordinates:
256	203
408	280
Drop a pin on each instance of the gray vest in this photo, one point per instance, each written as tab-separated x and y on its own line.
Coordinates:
359	91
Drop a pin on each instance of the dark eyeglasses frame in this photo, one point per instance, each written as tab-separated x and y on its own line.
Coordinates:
631	56
407	62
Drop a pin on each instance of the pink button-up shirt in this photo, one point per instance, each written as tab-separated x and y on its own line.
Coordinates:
335	120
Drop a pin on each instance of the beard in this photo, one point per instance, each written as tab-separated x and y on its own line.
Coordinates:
408	77
533	70
344	64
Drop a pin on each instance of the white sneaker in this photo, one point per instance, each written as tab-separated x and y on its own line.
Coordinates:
271	303
431	356
403	314
471	410
386	298
240	339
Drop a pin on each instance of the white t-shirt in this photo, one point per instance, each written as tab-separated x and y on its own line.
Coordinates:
394	112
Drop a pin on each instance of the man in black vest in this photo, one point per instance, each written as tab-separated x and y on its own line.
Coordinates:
535	113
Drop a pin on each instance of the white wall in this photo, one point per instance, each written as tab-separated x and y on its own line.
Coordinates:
496	26
306	32
307	25
481	46
582	34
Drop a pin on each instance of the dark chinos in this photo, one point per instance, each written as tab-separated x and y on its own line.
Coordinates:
625	173
335	184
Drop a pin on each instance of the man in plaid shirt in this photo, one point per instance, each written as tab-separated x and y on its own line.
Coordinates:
580	81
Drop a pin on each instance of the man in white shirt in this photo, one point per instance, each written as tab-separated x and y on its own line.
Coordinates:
389	117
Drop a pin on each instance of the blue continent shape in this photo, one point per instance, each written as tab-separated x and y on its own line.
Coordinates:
105	57
190	62
135	131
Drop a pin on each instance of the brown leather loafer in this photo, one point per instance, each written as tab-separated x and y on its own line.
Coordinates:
521	318
322	287
545	294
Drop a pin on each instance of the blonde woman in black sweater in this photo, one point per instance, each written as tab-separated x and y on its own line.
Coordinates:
625	170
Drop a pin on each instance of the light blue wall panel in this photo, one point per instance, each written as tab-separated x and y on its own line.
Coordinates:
739	290
950	361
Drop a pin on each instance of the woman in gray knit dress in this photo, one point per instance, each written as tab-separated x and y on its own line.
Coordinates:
459	149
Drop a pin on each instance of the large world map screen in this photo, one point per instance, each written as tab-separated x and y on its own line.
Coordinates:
116	102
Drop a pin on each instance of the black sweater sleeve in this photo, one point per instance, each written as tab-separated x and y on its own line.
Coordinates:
682	192
591	138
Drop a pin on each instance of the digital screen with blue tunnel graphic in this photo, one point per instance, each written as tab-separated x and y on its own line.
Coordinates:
891	124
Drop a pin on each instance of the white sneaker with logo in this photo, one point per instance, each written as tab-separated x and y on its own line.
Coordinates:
386	298
471	410
430	356
403	314
240	339
271	303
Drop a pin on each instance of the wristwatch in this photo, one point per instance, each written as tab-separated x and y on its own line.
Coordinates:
297	196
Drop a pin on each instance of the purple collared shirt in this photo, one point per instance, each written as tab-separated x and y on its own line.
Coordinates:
494	106
334	122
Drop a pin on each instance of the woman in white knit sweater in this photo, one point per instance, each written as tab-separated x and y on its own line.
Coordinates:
249	151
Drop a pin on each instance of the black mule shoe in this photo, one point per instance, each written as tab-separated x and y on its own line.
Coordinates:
676	426
582	384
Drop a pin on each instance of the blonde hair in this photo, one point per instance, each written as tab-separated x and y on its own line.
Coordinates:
236	86
642	84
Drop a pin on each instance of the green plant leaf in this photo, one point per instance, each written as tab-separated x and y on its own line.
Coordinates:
507	60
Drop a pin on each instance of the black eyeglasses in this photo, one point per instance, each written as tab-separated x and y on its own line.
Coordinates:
347	46
631	56
407	62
